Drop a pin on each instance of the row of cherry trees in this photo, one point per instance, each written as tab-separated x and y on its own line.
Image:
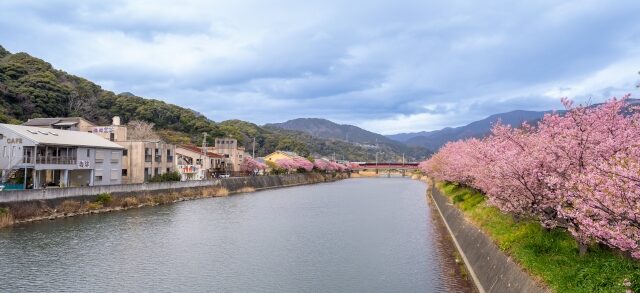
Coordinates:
579	170
296	164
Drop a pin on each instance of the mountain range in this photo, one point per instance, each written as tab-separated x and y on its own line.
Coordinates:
433	140
386	148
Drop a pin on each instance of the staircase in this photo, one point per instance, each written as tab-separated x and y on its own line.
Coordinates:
8	173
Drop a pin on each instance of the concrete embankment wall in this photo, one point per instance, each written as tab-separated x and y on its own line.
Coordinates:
232	184
491	269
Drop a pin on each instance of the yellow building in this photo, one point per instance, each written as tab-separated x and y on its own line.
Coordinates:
277	155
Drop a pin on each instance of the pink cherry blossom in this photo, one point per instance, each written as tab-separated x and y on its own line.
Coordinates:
578	170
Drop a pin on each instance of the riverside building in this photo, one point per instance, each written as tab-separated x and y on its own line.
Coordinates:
143	158
43	157
193	164
228	147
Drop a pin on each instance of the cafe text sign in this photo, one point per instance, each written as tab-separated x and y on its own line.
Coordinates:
14	140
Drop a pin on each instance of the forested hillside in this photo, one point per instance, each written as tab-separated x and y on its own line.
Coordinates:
31	87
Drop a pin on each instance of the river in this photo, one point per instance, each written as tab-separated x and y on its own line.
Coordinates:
355	235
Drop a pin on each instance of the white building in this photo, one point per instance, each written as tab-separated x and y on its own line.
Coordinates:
194	164
36	157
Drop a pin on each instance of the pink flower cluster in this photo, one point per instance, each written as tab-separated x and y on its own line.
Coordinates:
251	165
579	170
294	164
326	165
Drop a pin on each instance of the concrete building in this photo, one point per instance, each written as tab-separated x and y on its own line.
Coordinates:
228	147
37	157
68	123
193	164
142	159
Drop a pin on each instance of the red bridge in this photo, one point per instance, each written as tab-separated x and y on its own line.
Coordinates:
386	166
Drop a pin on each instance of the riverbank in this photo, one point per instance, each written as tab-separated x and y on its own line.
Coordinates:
550	256
147	195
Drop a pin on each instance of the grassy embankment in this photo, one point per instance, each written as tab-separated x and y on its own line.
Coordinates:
551	255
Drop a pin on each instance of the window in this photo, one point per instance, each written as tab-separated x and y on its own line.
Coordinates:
114	157
147	155
112	136
156	171
88	153
125	153
168	170
124	172
99	156
98	178
114	174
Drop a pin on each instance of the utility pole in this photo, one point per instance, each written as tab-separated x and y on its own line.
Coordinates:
376	152
254	147
402	159
204	144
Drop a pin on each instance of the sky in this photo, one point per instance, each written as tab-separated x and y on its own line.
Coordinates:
386	66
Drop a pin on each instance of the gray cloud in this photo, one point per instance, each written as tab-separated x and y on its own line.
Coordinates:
402	66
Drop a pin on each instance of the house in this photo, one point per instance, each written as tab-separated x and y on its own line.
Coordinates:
37	157
193	164
67	123
143	158
229	148
277	155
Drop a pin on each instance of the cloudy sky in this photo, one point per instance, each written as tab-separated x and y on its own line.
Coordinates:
387	66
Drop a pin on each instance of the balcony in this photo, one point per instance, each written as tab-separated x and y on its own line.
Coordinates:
50	160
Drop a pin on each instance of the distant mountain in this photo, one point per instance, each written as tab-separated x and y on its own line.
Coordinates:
322	128
433	140
327	129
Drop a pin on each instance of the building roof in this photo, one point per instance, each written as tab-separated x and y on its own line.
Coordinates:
60	121
198	150
61	137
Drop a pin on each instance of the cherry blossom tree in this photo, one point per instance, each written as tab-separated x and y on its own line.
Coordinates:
579	170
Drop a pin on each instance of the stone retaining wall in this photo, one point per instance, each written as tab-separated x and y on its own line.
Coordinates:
232	184
491	269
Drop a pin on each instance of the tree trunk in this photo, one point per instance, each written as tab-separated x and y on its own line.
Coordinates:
582	248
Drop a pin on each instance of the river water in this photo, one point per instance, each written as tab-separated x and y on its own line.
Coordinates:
356	235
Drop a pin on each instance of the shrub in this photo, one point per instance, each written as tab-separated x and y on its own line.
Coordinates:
6	219
103	198
166	177
92	206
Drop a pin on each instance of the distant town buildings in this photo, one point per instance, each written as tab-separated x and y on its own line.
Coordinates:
138	160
